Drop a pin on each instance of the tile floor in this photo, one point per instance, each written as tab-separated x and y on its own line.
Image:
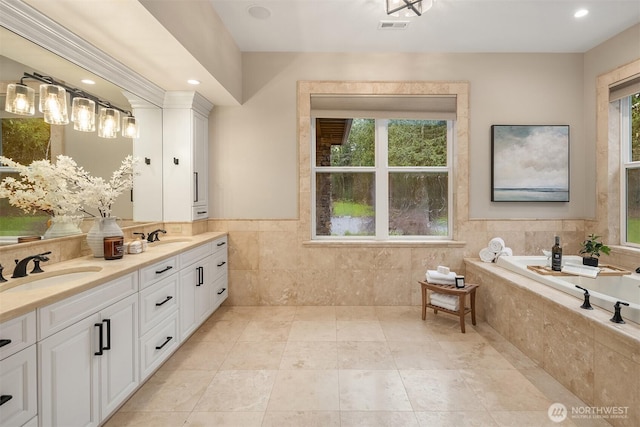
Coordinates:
345	366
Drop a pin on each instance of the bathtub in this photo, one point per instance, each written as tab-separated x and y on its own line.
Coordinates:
604	290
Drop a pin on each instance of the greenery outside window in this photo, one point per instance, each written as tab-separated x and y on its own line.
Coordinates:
630	158
381	178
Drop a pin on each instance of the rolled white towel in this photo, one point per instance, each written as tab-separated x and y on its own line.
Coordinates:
504	252
496	245
443	270
441	279
487	255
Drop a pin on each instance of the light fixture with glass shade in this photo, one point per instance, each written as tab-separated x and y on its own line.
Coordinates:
130	127
83	114
108	122
53	104
408	8
20	99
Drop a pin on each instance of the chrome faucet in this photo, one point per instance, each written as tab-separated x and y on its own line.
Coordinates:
153	236
21	265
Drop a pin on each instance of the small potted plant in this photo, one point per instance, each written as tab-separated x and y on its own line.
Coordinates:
591	249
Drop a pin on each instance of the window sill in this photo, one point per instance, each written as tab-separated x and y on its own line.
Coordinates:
385	244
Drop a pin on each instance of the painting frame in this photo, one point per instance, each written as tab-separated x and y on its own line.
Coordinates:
530	163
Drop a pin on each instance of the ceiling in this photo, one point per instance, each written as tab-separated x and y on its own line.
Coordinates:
449	26
126	31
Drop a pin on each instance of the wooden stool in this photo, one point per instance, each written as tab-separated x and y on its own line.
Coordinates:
461	293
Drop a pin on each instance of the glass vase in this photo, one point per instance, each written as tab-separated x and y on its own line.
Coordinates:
61	226
101	228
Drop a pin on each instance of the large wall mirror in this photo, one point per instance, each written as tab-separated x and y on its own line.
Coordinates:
98	156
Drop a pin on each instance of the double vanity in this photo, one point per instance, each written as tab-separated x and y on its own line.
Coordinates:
79	339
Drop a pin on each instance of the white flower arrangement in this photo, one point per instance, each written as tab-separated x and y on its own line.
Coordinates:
64	189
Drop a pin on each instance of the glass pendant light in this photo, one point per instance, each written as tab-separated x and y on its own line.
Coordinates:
53	104
83	114
20	99
130	128
108	123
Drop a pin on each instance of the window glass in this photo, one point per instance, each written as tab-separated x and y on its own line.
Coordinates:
635	127
417	143
633	205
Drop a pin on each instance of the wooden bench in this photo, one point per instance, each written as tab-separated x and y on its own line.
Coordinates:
461	293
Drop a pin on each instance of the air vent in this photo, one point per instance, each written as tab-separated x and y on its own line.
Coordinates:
393	25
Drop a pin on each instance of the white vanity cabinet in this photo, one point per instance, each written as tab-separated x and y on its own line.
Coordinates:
18	367
185	124
196	288
88	354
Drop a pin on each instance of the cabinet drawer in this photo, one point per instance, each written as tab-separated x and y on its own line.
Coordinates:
157	302
192	255
17	334
220	244
219	265
221	290
18	387
157	345
158	271
199	212
55	317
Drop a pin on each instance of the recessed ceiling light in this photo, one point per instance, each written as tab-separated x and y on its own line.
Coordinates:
259	12
580	13
193	82
88	81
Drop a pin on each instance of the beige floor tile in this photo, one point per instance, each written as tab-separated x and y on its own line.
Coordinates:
505	390
254	355
225	419
455	419
350	312
474	355
439	390
359	330
315	313
241	391
369	390
365	355
199	355
396	313
419	355
378	419
310	355
305	390
233	313
278	313
313	330
145	419
528	419
403	330
170	391
301	418
222	330
266	330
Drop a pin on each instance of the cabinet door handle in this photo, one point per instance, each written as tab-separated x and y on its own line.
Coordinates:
4	342
167	299
200	276
221	291
221	244
159	347
167	268
108	322
99	352
195	176
5	398
201	212
222	263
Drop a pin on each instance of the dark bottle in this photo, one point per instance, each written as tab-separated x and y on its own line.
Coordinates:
556	256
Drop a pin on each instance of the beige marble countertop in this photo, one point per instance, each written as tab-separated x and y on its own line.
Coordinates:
16	301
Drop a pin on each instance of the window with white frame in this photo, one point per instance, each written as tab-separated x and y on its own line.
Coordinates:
379	177
630	168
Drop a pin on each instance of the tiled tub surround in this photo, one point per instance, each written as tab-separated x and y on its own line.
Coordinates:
599	361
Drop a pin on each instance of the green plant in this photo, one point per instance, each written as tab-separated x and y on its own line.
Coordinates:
592	246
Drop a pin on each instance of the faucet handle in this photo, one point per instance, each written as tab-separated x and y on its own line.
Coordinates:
617	317
142	235
586	304
2	279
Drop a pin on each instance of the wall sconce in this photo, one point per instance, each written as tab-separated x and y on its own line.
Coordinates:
83	114
53	104
20	99
108	122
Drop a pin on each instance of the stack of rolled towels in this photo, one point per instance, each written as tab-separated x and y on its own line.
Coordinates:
494	250
443	276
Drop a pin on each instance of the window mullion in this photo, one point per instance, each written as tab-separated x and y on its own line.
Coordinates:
382	180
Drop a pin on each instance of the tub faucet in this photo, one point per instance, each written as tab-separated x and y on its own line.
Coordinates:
21	265
586	305
617	317
153	236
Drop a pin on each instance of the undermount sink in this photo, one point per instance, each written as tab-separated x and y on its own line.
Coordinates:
43	280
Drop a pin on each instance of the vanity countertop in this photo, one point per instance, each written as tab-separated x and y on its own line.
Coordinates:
15	303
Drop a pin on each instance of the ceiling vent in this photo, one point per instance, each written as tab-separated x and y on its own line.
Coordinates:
393	25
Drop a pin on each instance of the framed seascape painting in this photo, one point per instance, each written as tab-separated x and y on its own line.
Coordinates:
529	163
